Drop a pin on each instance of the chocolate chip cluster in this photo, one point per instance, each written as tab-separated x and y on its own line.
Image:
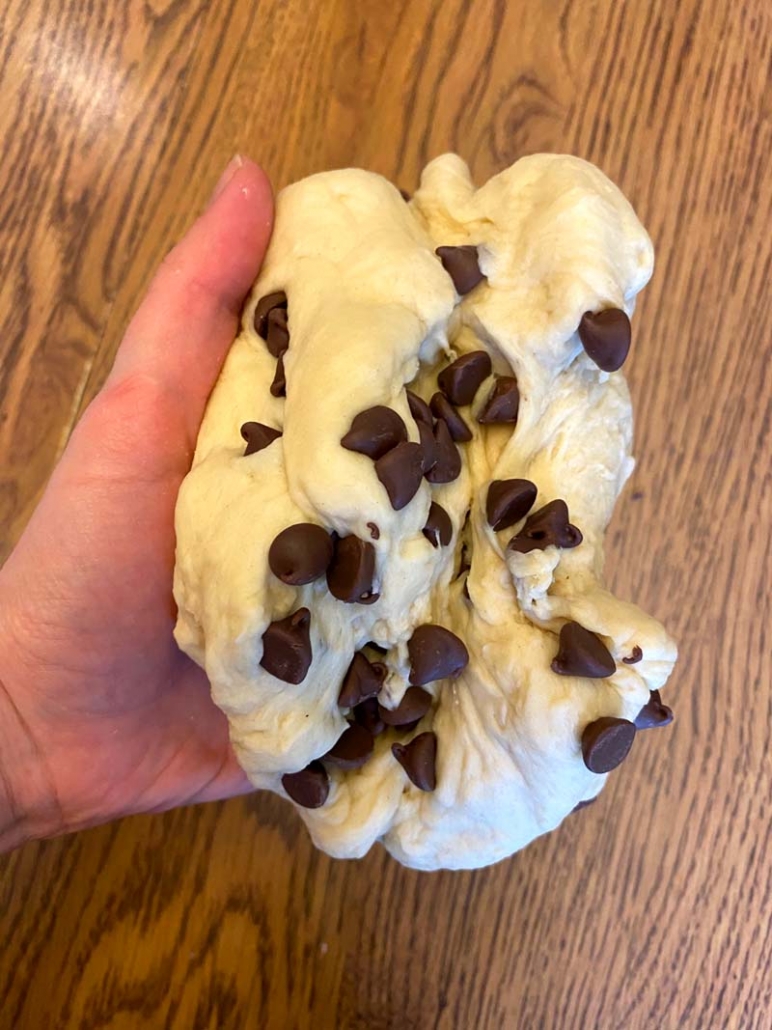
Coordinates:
306	552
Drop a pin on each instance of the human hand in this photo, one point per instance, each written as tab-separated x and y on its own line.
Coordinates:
100	714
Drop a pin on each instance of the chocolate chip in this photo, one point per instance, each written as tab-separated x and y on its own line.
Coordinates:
442	408
300	553
263	309
277	339
508	501
582	653
438	529
287	647
414	705
363	680
502	403
308	788
549	525
375	533
279	384
405	195
582	804
258	436
606	743
352	748
463	377
635	657
350	574
462	265
605	336
419	760
374	432
448	464
367	714
428	447
401	471
653	713
435	653
419	409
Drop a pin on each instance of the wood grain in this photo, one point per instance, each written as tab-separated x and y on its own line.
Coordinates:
652	908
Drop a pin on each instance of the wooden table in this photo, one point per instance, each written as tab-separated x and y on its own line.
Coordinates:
654	908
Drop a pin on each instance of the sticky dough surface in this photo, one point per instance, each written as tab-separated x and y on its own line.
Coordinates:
371	310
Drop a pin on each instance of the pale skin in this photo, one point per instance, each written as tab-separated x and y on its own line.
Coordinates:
101	715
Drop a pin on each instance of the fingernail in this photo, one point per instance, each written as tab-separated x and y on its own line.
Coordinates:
232	167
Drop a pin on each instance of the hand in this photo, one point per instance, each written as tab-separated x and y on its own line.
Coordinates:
100	714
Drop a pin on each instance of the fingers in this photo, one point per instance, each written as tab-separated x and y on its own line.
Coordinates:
181	332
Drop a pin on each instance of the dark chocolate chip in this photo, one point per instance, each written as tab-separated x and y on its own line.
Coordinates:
606	743
438	529
442	408
448	464
435	653
367	714
653	713
605	336
277	339
428	447
352	748
508	501
258	436
308	788
502	403
419	409
414	705
462	265
582	653
375	431
401	471
419	760
375	533
549	525
363	680
635	657
300	553
350	574
582	804
287	647
405	195
279	384
264	307
461	380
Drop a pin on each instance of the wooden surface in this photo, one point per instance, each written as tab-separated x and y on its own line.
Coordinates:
654	907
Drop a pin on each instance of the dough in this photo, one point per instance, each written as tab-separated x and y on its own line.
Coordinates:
510	743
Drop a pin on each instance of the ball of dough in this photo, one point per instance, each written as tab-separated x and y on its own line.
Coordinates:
421	417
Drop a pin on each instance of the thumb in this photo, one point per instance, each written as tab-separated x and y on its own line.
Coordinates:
184	327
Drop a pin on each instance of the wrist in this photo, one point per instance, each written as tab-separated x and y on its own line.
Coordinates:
29	806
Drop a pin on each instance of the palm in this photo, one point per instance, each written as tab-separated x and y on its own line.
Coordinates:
122	717
148	732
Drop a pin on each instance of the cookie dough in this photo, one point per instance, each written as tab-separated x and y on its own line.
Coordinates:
390	544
